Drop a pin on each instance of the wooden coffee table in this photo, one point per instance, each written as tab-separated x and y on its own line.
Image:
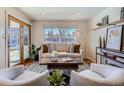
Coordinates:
60	64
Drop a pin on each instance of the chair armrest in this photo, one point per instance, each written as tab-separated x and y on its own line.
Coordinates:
80	80
12	73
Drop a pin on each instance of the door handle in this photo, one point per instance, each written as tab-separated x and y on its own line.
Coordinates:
8	44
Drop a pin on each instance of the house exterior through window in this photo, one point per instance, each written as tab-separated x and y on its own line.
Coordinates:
59	34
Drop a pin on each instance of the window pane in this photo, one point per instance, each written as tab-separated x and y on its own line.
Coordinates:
59	34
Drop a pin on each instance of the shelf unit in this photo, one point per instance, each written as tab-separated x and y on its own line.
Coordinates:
104	52
110	24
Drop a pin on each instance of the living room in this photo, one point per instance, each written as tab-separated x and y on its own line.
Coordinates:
66	39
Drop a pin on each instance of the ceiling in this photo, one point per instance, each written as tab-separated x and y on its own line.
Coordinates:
61	13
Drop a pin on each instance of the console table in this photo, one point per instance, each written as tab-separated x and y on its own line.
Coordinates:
114	55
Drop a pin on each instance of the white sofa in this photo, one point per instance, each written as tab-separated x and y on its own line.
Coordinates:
63	51
16	76
98	74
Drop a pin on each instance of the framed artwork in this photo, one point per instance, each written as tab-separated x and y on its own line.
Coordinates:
105	20
114	37
122	13
122	40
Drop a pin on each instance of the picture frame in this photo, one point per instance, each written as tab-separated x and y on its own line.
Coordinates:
114	38
122	13
105	20
122	40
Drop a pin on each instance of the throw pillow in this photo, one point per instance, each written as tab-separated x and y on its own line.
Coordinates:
45	48
76	48
50	49
71	48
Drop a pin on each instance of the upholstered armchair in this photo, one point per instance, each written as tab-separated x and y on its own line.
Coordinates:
16	76
98	74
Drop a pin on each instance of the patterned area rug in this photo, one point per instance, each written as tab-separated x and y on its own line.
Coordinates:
35	67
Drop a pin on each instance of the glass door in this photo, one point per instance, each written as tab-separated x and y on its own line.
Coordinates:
26	40
14	43
18	42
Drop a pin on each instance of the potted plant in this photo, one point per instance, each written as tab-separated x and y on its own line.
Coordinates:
34	54
56	79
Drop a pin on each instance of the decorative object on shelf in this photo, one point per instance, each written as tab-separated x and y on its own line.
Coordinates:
55	78
105	20
108	25
34	54
114	36
103	43
100	41
122	13
111	56
99	24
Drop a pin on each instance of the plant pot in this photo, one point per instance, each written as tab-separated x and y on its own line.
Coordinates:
36	58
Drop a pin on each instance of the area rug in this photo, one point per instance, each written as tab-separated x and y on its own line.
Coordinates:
35	67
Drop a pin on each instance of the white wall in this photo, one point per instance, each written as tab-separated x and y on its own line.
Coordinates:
37	30
114	15
2	39
3	31
113	12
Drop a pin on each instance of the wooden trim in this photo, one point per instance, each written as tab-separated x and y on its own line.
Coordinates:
18	20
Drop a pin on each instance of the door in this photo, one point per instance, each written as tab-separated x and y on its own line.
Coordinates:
19	41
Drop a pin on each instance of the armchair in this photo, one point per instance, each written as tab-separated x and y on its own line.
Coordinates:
16	76
98	74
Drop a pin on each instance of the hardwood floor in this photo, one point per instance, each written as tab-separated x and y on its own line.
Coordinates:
88	61
27	62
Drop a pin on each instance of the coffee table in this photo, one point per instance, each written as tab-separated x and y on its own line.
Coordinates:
60	64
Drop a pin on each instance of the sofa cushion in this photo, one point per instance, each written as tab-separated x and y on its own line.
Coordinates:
62	54
77	55
62	47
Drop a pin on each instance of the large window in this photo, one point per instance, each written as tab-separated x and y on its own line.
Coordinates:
59	34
